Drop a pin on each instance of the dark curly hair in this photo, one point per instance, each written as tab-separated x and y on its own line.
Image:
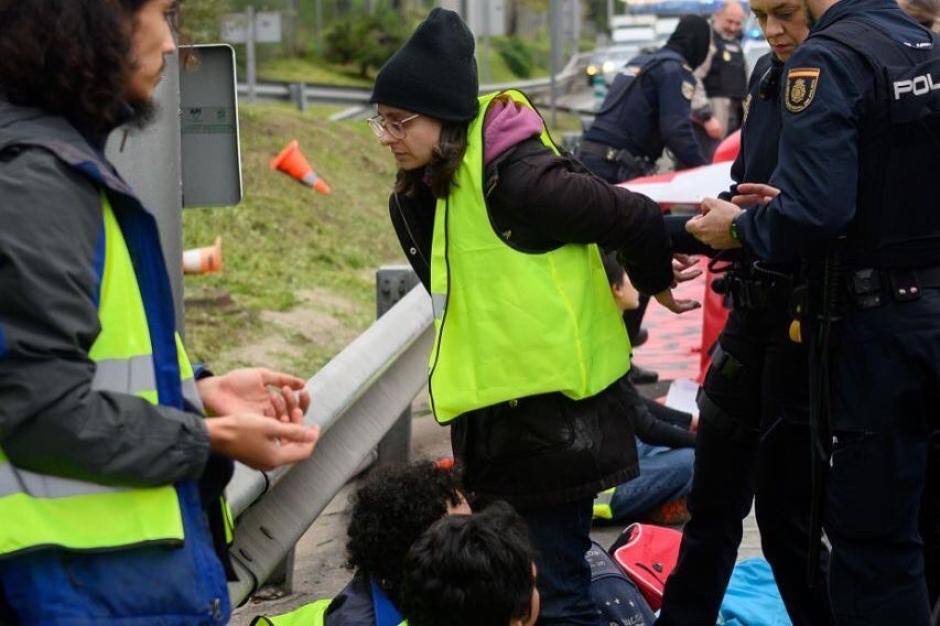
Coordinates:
390	511
68	58
470	570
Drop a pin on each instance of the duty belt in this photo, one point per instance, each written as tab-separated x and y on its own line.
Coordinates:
871	288
757	289
617	155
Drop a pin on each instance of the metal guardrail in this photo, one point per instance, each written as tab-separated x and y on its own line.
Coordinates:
355	399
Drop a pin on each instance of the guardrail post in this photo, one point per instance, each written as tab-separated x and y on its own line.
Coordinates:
297	95
392	283
283	575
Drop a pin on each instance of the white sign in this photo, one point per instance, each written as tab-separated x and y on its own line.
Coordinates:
486	18
267	28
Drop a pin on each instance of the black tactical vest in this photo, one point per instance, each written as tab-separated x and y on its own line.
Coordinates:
897	221
727	76
624	101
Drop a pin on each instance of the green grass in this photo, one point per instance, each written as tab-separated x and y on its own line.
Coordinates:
285	239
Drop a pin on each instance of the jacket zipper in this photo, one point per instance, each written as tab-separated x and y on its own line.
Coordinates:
414	241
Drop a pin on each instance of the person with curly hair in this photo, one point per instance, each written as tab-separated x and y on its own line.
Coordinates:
111	477
472	570
389	512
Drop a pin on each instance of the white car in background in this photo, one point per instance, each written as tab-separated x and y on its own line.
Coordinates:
609	61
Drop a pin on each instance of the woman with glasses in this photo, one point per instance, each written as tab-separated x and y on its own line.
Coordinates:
530	355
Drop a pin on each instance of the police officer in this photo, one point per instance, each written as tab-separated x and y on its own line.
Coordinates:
849	198
648	107
724	72
753	419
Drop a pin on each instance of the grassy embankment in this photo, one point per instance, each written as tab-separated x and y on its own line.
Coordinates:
299	277
298	282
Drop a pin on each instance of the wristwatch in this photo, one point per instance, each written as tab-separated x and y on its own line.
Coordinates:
733	229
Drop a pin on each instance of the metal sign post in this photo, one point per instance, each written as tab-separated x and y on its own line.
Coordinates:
149	160
250	52
554	18
250	28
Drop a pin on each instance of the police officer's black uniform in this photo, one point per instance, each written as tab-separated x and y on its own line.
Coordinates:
860	141
753	432
727	77
648	107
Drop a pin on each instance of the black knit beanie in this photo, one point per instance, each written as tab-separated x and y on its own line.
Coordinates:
691	39
434	73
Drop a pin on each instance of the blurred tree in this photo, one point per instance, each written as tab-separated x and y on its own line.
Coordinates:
366	39
200	20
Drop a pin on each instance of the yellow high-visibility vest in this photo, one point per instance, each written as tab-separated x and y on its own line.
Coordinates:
511	324
48	511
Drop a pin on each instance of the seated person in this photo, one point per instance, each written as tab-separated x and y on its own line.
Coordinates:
472	570
389	512
665	447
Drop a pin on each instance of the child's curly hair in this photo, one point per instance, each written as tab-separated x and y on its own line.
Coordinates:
390	512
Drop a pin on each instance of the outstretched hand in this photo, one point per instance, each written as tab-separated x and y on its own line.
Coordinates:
713	226
256	390
684	267
668	300
754	193
261	442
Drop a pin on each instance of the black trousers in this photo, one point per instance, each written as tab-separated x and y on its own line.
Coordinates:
882	510
753	444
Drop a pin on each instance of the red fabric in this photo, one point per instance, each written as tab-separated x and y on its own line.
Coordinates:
674	339
728	149
714	316
648	557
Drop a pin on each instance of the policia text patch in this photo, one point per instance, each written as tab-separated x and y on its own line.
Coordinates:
801	88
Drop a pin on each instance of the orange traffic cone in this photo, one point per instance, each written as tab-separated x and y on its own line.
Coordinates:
291	161
203	260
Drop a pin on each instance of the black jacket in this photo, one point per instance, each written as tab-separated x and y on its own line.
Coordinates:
548	449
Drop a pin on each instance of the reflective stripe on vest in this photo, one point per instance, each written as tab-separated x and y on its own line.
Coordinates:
72	514
307	615
602	508
514	324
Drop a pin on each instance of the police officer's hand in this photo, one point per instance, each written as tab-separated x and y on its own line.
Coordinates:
713	227
256	390
668	300
713	128
684	267
754	193
261	442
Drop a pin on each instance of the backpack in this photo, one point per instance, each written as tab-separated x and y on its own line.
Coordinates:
618	600
648	554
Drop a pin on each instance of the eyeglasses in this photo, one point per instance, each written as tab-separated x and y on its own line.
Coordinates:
395	129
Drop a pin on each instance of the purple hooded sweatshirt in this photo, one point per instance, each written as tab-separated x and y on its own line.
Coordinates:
507	123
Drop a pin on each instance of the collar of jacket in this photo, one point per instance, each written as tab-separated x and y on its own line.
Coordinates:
29	126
